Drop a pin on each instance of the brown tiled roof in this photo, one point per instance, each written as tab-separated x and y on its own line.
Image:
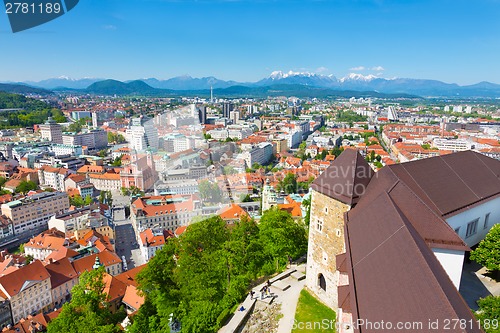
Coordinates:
149	239
106	258
232	212
105	176
91	169
292	208
77	178
394	275
13	282
60	271
180	230
451	182
114	288
61	253
130	277
346	179
132	298
30	324
430	225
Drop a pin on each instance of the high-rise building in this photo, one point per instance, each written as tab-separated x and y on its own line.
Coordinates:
142	134
94	119
51	131
202	114
226	109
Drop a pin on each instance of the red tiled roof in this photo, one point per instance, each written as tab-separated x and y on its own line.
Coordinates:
13	282
232	212
130	277
106	258
61	271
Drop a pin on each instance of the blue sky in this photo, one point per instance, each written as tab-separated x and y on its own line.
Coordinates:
245	40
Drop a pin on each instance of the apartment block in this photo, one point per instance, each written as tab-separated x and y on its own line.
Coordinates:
31	214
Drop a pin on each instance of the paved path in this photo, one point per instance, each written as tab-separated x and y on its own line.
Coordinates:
475	285
286	298
289	300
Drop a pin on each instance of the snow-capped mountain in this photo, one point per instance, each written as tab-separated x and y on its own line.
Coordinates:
353	81
64	81
303	78
358	77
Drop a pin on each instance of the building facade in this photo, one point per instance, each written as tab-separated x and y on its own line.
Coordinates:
31	214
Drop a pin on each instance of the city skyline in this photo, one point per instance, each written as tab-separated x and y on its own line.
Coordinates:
245	41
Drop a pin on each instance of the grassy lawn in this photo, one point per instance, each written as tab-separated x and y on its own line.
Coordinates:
312	315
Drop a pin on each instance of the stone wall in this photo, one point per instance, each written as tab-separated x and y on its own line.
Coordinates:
324	245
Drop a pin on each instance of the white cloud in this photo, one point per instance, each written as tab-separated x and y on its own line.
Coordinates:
109	27
378	68
359	68
321	69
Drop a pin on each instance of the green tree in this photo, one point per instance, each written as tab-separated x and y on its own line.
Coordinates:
88	310
229	170
76	201
88	200
488	251
201	275
245	198
210	191
288	184
282	236
116	138
117	162
3	180
26	186
103	153
307	204
489	313
29	259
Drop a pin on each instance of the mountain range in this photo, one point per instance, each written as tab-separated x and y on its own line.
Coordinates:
307	81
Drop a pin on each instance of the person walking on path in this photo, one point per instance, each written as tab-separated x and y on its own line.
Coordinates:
262	292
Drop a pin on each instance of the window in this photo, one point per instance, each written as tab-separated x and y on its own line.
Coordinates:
471	228
322	282
486	220
319	225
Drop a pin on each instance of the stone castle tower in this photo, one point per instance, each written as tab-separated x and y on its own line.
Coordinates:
334	192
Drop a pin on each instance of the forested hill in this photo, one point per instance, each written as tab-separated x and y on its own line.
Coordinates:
20	111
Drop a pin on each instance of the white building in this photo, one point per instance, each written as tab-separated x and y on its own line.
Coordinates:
93	139
150	242
142	134
168	212
60	149
53	177
51	131
451	144
294	139
261	154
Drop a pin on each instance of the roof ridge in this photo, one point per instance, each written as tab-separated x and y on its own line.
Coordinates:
439	217
459	177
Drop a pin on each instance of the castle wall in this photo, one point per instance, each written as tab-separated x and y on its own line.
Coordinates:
326	240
